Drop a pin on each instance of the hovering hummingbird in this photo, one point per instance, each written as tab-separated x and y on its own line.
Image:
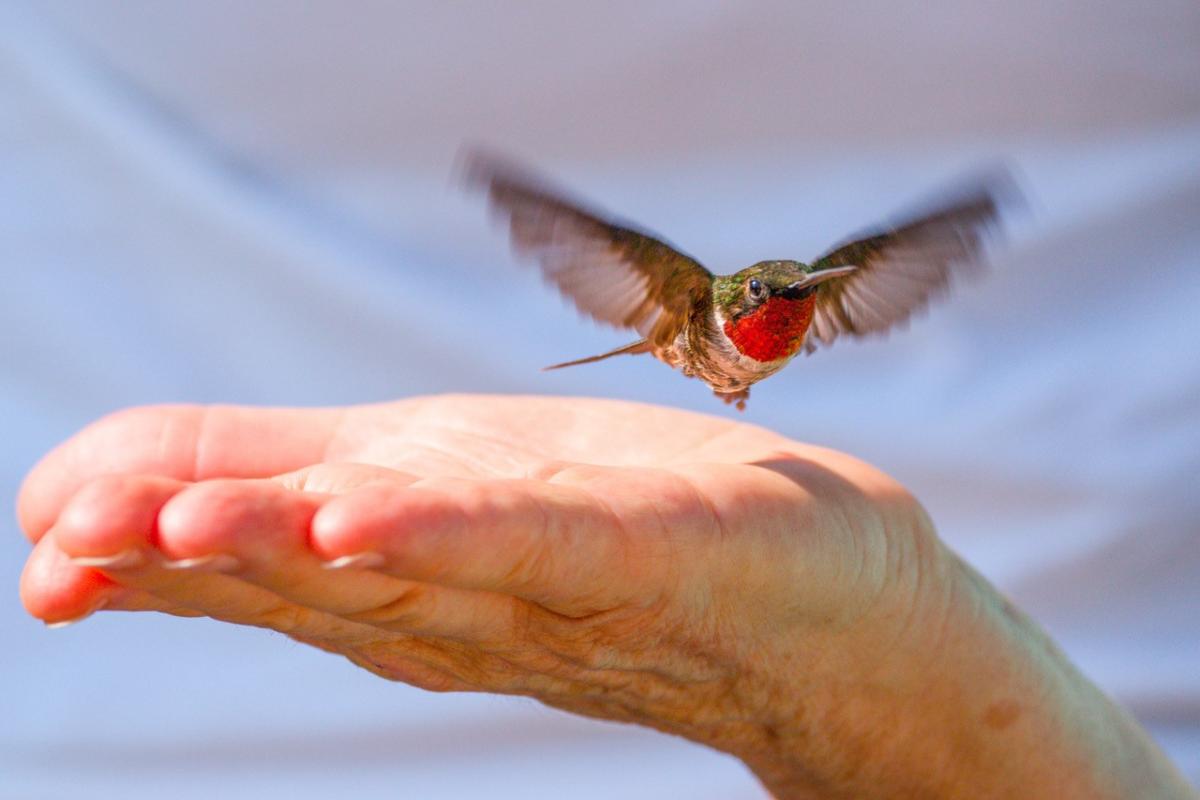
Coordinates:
731	331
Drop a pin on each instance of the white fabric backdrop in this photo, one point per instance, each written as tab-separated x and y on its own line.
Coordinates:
251	203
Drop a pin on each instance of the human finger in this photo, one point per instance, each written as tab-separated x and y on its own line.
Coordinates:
182	442
557	544
258	533
60	592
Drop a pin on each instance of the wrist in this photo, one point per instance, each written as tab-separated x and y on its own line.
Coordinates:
973	699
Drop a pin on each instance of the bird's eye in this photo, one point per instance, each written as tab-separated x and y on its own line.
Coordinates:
757	290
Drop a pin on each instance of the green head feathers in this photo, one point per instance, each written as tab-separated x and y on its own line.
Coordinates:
743	291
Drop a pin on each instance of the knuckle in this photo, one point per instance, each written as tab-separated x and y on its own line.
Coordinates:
408	609
396	666
529	567
284	617
589	649
523	624
574	644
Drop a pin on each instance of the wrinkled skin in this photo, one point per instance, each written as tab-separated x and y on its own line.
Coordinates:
781	602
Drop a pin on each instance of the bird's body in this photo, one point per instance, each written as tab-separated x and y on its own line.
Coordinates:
731	331
730	352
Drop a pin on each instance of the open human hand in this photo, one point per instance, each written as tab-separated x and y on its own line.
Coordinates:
708	578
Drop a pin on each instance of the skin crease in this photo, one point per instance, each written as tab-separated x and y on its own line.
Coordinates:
781	602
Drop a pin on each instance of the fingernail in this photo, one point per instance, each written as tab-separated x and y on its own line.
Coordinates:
214	562
366	560
125	559
50	626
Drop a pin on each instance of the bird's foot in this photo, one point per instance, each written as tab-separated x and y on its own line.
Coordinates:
737	399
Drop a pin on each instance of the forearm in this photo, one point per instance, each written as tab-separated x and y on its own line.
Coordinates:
980	704
1077	742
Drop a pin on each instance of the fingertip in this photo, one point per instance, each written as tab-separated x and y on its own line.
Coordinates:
35	501
125	441
217	515
53	589
169	440
379	519
340	526
112	514
202	518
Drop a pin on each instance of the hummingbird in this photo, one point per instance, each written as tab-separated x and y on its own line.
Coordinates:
732	331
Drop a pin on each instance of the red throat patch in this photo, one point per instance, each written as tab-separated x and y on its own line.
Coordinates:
772	331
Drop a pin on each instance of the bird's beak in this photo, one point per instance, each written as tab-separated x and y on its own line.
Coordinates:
795	290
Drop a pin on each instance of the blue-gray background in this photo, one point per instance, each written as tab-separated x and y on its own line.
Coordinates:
250	202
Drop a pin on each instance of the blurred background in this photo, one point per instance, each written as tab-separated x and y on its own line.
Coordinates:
252	203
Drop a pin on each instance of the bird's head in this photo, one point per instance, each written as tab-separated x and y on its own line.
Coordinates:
766	309
747	291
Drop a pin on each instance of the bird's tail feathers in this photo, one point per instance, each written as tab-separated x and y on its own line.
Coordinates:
640	346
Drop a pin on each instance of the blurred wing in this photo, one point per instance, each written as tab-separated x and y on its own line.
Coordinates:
901	268
612	273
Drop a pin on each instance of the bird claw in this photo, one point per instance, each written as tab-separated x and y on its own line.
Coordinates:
736	399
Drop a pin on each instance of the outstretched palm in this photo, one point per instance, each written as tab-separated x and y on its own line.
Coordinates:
623	561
